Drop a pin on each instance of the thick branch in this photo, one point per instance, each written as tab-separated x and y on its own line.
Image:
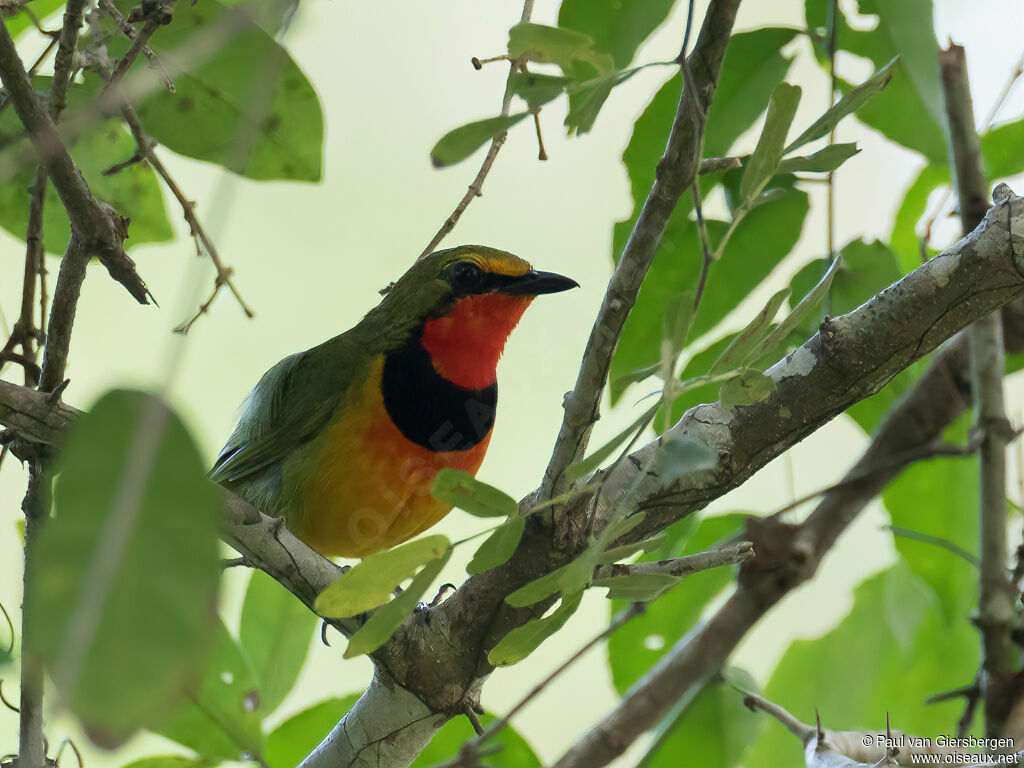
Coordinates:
98	229
443	660
996	597
785	555
676	171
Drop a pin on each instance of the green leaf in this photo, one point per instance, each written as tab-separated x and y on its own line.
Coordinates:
524	640
1002	149
634	648
763	239
863	270
168	761
678	319
462	490
749	341
585	102
498	547
851	101
537	89
133	192
680	455
896	623
296	737
19	21
459	143
221	719
803	309
763	164
587	465
939	498
555	45
888	111
371	582
614	554
746	388
638	587
538	589
754	66
133	546
905	240
615	27
908	24
824	160
511	749
275	632
387	618
248	107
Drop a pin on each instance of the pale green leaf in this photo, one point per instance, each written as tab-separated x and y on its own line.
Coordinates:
248	107
289	743
524	640
555	45
371	582
387	618
750	340
804	308
639	587
745	388
129	469
680	455
462	490
498	547
537	89
851	101
763	164
461	142
587	465
221	718
825	160
616	27
275	632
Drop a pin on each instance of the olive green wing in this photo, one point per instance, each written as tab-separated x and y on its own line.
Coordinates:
289	406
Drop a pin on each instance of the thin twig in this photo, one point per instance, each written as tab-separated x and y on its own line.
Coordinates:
935	541
996	614
5	702
677	169
730	554
476	186
702	236
95	225
931	450
139	40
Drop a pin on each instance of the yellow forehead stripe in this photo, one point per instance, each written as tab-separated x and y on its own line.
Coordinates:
501	263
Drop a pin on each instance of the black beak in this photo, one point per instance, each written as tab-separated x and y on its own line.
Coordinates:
534	283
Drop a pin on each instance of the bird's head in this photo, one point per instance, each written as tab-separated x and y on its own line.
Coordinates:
464	303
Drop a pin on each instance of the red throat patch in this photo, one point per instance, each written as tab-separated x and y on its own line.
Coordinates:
465	344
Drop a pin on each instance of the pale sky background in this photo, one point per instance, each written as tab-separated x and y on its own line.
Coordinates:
393	77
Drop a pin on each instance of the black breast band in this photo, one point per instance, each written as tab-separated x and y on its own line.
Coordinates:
428	409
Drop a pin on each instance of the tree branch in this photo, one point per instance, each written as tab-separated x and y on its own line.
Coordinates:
442	661
996	614
475	189
729	554
676	171
98	229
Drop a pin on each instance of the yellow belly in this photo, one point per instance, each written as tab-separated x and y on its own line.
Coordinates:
370	486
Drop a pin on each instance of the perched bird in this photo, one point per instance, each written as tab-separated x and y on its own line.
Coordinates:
343	440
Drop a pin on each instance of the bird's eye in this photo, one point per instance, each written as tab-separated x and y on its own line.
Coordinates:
466	275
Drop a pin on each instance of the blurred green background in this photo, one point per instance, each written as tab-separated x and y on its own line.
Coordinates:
309	258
